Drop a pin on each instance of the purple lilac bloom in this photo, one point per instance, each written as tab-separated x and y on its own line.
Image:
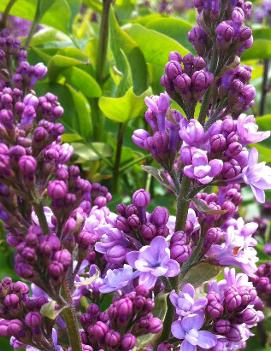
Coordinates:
238	247
153	261
257	176
248	130
188	330
117	279
185	303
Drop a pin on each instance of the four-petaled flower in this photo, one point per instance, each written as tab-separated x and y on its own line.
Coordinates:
185	303
188	330
153	261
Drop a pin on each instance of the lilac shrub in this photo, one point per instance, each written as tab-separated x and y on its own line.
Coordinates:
97	277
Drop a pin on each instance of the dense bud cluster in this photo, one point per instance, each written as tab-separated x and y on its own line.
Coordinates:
99	277
113	328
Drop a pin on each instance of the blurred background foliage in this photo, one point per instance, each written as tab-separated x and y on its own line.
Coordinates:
103	58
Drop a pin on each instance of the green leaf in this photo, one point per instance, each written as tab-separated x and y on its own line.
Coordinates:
84	125
122	44
58	14
76	119
261	49
49	310
51	37
59	63
95	5
264	123
155	47
202	207
158	175
43	6
82	81
86	151
176	28
124	108
200	274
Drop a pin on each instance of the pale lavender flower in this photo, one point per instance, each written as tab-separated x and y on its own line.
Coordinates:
117	279
238	248
201	168
257	176
247	129
192	133
188	330
185	303
153	261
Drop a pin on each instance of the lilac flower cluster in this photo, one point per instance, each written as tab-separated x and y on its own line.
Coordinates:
98	276
228	312
127	318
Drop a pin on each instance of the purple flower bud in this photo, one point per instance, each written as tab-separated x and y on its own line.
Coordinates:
56	269
245	33
218	143
175	56
128	342
233	299
133	221
24	270
173	69
224	33
234	334
155	325
33	319
182	83
27	165
112	338
159	216
124	310
85	239
148	231
4	328
249	316
141	198
64	257
11	300
15	327
222	326
57	189
201	80
40	70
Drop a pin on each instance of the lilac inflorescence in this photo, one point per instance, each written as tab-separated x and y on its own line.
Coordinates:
113	272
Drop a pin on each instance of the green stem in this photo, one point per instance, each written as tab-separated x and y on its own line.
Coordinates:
116	170
97	118
264	87
182	204
34	25
38	207
208	94
134	162
181	215
103	41
3	23
69	315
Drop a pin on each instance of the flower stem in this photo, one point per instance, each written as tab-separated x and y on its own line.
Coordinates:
182	204
181	215
3	23
264	87
69	315
34	25
97	118
116	170
103	41
38	207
